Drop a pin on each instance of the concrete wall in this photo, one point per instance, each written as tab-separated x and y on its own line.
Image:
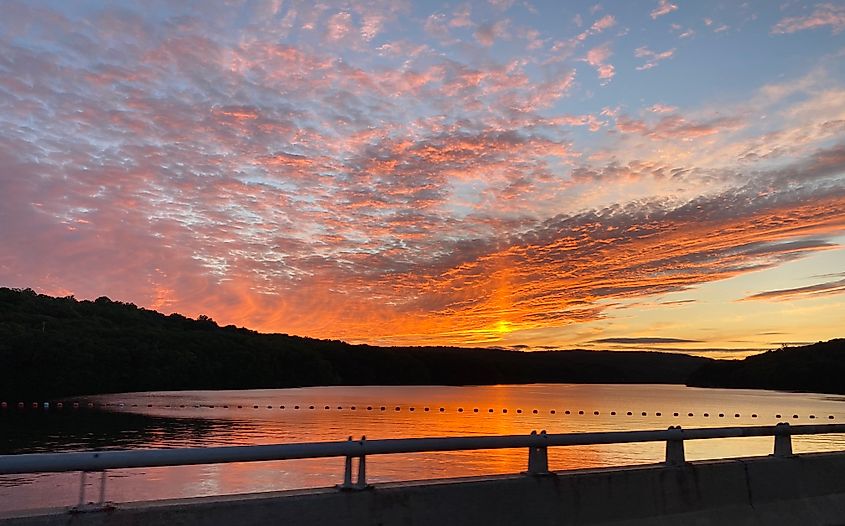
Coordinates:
807	489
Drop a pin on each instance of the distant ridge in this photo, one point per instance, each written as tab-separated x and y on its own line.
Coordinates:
818	368
53	347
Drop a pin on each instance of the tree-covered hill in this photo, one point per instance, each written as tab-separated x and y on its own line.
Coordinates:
53	347
818	368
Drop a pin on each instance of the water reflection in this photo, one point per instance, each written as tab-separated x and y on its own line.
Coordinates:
39	431
207	418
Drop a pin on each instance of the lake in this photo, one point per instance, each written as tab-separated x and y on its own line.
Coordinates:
269	416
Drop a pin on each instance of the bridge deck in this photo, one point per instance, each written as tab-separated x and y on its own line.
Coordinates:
805	489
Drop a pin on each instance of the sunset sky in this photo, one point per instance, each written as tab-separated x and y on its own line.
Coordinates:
526	174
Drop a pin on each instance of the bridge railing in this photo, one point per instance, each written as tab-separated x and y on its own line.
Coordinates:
536	443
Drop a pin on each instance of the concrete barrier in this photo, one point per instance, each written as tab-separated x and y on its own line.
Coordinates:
808	489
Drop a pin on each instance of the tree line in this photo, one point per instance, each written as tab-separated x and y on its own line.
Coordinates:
819	368
54	347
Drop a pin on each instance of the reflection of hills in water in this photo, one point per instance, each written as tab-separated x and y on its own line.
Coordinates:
40	431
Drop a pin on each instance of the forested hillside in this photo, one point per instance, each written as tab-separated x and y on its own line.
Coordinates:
52	347
816	368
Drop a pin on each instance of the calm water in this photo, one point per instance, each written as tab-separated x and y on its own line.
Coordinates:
209	418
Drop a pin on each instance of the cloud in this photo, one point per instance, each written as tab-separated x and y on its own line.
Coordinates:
797	293
371	26
339	25
603	23
652	58
599	26
662	108
663	8
676	127
461	17
486	34
831	275
597	57
643	340
679	257
502	5
823	15
435	25
678	302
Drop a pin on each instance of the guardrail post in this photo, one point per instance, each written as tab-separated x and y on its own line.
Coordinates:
361	482
675	448
347	471
82	476
83	506
362	469
783	440
102	500
538	457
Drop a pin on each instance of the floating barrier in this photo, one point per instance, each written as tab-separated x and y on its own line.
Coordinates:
58	406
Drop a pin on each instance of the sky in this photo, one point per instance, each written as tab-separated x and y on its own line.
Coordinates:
522	174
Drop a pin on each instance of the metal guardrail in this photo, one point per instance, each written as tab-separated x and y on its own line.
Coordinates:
536	443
